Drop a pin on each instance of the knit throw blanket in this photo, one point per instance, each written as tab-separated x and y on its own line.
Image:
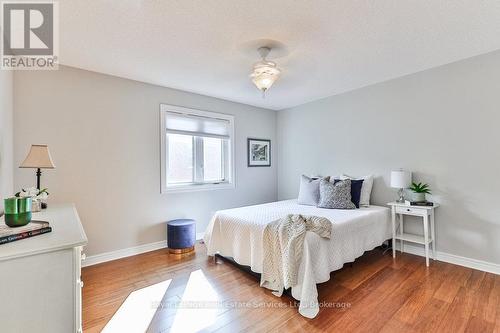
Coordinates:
283	246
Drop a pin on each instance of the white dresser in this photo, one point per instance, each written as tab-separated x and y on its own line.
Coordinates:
40	285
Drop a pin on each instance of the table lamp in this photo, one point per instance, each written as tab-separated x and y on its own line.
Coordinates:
401	179
38	158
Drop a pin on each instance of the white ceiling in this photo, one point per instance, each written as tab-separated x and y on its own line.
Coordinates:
334	45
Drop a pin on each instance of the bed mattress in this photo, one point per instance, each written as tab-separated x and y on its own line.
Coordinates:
238	233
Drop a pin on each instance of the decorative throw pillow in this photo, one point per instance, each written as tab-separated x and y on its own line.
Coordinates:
335	195
366	188
356	186
309	190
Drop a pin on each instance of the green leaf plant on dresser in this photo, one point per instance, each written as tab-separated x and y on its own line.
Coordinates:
419	191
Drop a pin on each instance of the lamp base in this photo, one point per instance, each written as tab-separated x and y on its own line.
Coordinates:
38	176
401	193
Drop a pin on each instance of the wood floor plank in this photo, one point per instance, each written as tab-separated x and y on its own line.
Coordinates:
496	302
385	280
431	316
476	324
412	308
375	294
366	268
392	302
380	305
457	315
457	279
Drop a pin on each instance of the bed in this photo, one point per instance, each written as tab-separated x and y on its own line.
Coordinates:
238	233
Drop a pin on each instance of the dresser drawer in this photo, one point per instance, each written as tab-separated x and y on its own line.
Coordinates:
411	211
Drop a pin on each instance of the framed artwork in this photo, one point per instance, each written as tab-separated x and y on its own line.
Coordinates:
259	152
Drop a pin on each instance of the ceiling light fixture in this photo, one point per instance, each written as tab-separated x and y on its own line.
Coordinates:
265	72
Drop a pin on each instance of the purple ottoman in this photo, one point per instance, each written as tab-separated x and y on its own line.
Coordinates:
181	235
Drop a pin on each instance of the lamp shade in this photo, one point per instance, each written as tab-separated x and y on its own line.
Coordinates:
38	157
400	179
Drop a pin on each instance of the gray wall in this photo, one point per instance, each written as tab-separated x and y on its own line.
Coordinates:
443	124
6	137
103	133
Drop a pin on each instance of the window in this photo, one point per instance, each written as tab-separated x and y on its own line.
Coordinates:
196	149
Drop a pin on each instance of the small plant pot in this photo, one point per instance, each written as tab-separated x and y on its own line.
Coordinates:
418	197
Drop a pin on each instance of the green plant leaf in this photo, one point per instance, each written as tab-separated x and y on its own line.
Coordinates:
420	188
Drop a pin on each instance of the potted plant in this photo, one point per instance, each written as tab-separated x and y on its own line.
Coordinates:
419	191
38	197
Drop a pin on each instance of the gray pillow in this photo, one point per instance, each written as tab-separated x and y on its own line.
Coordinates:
309	191
335	195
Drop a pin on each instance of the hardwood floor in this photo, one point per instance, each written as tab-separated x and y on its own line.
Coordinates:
376	294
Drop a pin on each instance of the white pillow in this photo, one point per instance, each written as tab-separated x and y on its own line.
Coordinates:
366	188
309	191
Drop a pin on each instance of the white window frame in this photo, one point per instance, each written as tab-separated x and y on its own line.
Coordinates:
230	183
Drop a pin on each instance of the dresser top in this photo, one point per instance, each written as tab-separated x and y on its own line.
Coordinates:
67	232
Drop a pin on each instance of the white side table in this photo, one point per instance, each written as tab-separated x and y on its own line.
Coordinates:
427	214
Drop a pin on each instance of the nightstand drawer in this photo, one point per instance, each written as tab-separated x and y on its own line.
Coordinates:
411	211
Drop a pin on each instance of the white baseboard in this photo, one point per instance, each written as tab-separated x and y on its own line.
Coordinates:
131	251
454	259
410	248
122	253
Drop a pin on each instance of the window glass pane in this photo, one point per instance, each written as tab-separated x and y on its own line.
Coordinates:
212	159
180	159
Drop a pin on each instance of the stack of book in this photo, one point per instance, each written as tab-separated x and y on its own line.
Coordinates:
418	203
34	228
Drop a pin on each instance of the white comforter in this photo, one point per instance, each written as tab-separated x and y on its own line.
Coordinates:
238	232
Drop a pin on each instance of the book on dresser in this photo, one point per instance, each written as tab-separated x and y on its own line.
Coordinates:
419	203
34	228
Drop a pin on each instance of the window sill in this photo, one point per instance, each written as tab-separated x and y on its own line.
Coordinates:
197	188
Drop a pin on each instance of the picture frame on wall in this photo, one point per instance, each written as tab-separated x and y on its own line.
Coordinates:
258	152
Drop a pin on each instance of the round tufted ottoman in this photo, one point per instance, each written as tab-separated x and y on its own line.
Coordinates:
181	235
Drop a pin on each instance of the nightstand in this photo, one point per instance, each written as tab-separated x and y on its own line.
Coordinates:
427	215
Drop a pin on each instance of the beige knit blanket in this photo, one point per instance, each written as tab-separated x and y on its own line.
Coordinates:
283	246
